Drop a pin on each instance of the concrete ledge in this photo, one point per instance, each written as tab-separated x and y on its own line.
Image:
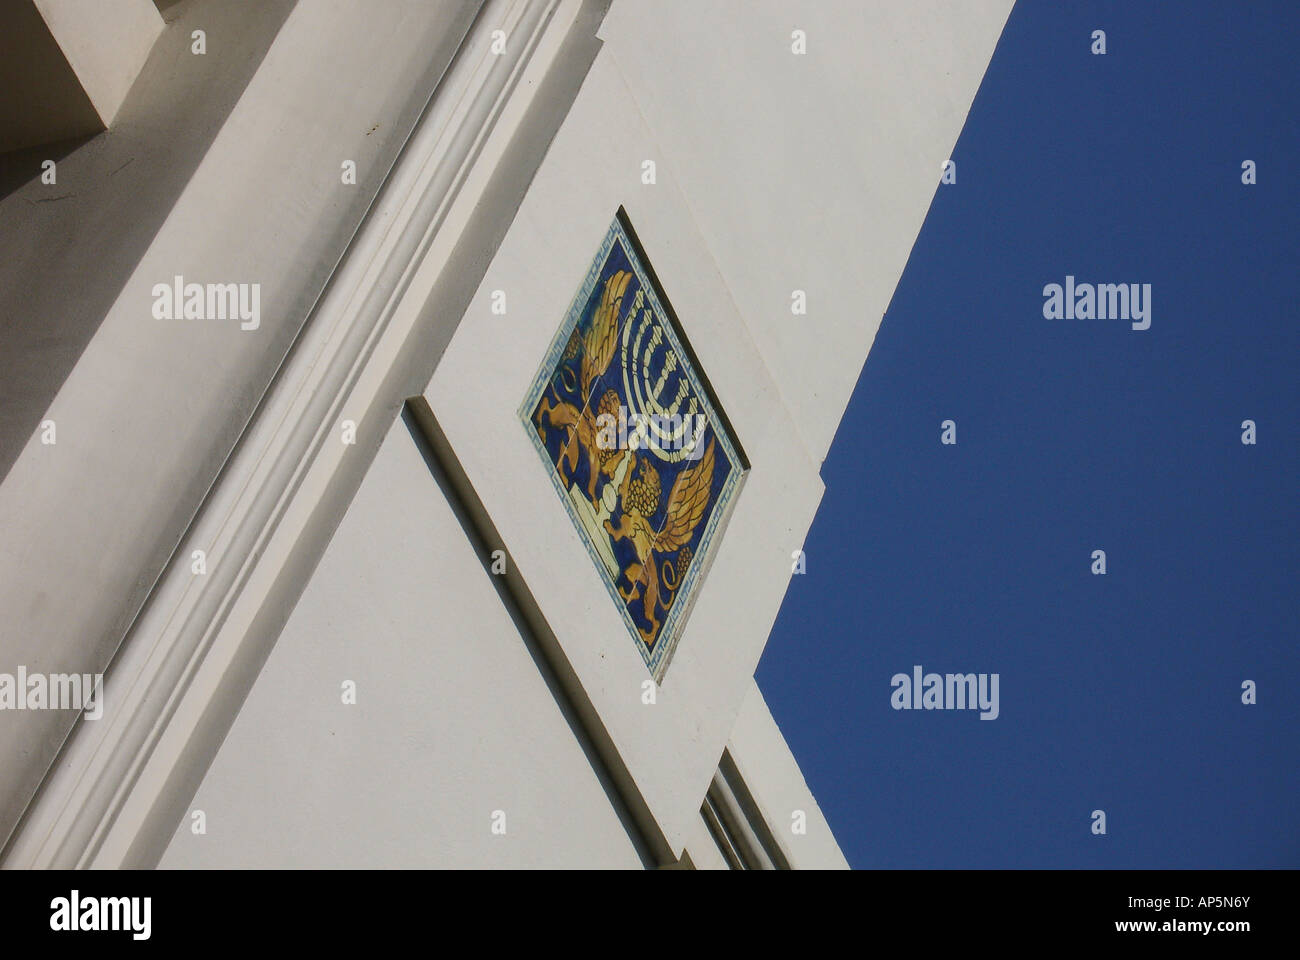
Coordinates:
66	65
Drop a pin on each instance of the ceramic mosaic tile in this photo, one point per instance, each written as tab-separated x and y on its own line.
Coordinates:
639	452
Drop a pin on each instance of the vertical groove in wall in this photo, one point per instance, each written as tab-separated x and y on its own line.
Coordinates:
541	643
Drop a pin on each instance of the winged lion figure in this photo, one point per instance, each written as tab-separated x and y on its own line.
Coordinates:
598	348
687	502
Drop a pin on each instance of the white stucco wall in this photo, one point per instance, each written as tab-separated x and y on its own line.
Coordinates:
775	172
453	720
810	172
671	750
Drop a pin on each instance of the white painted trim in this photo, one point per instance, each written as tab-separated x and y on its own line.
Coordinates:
771	775
113	795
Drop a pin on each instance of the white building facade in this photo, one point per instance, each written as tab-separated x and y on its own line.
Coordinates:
343	612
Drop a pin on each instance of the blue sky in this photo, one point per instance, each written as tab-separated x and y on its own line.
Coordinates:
1119	692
